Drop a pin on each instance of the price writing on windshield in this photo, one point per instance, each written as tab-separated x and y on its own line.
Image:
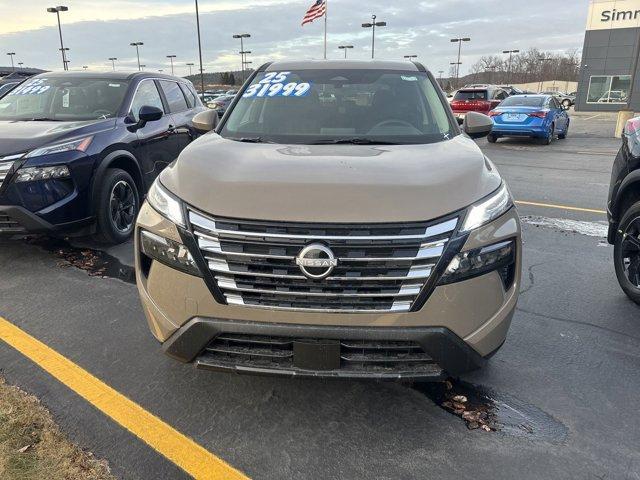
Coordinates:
32	87
274	84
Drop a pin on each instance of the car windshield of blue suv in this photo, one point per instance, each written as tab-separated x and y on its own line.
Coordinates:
340	106
63	99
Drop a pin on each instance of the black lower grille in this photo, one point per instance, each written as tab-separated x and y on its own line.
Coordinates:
8	224
269	354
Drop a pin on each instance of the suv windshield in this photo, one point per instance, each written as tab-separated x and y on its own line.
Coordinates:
523	102
63	99
340	106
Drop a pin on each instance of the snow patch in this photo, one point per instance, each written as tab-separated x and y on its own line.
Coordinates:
591	229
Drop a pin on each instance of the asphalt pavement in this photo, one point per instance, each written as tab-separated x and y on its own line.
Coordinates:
564	386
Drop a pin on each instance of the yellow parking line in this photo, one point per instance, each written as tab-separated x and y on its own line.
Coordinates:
560	207
179	449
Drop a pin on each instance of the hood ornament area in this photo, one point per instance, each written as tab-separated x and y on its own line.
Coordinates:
316	261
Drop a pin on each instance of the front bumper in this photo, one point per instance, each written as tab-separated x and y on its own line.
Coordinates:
459	324
295	350
16	220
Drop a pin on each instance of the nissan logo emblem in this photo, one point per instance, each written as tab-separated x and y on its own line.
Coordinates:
316	261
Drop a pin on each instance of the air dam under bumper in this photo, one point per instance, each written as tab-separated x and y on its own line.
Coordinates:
322	351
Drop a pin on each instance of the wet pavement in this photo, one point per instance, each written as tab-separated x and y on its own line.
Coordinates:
558	400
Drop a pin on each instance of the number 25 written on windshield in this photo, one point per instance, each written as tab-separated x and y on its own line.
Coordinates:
277	90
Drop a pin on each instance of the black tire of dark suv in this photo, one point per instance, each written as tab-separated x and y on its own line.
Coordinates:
626	253
118	207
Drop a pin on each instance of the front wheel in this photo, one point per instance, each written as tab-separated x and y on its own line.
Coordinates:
566	103
491	138
626	253
118	207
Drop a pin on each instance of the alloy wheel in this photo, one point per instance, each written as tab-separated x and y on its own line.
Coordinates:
122	206
631	252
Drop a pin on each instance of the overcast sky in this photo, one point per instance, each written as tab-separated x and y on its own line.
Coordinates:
95	30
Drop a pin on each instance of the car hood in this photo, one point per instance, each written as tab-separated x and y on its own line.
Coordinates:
331	183
20	136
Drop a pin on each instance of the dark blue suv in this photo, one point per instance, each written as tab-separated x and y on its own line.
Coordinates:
78	151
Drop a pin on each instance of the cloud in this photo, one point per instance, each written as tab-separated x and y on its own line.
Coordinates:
96	30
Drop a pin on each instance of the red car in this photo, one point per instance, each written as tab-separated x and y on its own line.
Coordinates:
476	99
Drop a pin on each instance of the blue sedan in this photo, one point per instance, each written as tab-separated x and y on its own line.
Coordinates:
534	116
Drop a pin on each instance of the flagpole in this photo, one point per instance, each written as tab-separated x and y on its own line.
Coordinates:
326	13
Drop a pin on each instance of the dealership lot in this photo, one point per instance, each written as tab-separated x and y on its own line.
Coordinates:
563	387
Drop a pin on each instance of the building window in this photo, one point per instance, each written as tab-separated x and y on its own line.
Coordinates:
609	89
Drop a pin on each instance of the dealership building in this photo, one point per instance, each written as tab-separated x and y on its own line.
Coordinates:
610	57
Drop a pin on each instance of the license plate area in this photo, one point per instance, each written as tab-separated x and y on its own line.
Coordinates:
514	117
313	354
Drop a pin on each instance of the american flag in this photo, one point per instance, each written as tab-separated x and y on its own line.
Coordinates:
317	10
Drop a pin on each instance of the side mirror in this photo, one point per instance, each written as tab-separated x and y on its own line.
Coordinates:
150	114
206	121
477	125
146	114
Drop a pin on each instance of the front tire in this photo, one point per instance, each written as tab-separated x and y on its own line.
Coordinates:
118	207
491	138
626	253
566	103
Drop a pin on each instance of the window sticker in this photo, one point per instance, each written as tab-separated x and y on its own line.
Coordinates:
32	87
274	84
409	79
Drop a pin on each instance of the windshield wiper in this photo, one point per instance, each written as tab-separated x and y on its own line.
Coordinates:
353	141
41	119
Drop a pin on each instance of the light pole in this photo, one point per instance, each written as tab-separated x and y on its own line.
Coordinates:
113	62
20	64
345	48
57	11
65	53
510	52
373	26
190	64
85	67
171	57
11	54
244	53
137	45
459	41
200	51
410	57
440	72
242	36
456	65
142	67
542	60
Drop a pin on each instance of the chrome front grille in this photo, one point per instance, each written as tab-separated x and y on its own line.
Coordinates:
4	170
381	267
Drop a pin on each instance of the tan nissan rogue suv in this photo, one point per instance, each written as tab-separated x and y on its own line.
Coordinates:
336	222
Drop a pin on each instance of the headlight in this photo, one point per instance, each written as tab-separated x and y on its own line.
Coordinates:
488	209
32	174
165	203
79	145
473	263
168	252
